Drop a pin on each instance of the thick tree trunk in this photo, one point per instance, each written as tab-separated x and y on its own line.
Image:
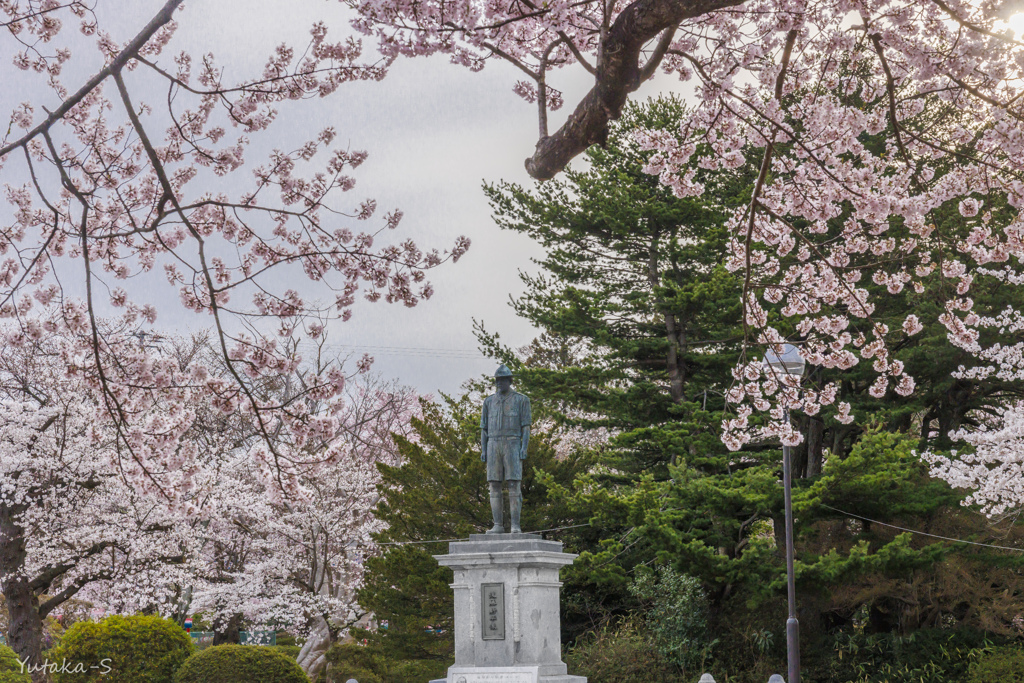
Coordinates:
779	531
25	629
313	655
676	369
229	634
815	447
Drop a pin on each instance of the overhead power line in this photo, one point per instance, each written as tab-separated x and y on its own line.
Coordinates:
416	351
923	533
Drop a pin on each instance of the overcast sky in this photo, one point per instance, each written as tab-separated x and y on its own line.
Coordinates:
434	132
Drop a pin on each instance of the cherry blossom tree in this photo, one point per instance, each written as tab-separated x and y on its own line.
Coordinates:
297	562
992	465
865	118
262	558
229	544
135	172
71	522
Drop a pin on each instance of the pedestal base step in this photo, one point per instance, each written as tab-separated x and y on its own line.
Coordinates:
505	674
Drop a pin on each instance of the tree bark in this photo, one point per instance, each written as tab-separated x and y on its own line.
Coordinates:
618	74
313	656
230	633
676	370
25	627
815	447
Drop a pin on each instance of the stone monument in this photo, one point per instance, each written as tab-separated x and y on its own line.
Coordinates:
507	622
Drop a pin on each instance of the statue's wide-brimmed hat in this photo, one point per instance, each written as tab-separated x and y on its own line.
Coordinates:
502	371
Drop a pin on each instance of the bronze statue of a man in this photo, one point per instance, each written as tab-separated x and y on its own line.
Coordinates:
504	436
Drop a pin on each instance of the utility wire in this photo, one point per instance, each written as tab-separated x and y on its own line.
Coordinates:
923	533
451	540
419	351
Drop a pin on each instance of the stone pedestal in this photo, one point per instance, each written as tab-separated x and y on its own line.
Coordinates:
507	626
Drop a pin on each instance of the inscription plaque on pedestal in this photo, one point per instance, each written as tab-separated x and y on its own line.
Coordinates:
492	604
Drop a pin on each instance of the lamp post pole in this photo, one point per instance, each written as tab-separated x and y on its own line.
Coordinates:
792	624
788	361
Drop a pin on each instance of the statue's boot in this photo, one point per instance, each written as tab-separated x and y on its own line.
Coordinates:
515	504
496	513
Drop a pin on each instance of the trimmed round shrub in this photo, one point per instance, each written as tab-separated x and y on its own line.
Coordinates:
10	667
1002	664
121	650
240	664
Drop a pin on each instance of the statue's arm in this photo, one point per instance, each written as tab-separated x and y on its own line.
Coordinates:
483	433
525	421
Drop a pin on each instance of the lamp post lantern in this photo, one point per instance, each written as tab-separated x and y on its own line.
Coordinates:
789	362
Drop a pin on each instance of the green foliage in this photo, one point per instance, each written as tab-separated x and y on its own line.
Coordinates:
10	667
378	665
439	492
123	650
1003	664
633	286
676	616
621	655
641	327
240	664
285	638
926	656
288	650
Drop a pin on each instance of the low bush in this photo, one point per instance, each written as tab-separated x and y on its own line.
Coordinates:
349	660
1003	664
373	664
10	667
240	664
121	650
289	650
675	616
621	655
925	656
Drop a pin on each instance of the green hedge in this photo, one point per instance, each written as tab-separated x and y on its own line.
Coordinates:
10	667
240	664
122	650
1002	664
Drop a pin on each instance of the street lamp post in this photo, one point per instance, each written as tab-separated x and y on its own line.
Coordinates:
789	362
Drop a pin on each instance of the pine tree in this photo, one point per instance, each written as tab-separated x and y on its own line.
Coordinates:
641	328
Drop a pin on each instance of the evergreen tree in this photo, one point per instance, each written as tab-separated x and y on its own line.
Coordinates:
641	328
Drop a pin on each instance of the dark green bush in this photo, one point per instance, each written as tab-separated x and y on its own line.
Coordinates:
375	665
240	664
349	660
122	650
289	650
925	656
1002	664
621	655
10	667
285	638
676	616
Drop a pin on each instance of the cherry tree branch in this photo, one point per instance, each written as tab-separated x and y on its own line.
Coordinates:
618	74
129	52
